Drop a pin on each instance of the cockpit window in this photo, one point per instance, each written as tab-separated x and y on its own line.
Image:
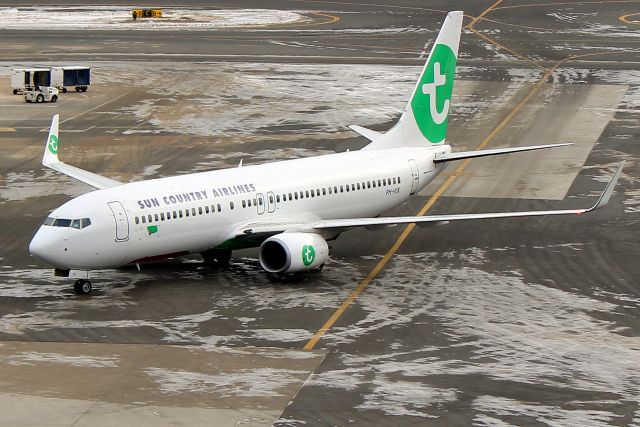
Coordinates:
73	223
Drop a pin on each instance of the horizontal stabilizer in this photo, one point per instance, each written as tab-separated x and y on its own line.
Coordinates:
448	157
371	135
51	161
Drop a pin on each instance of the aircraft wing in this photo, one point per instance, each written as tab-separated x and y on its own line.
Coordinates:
273	227
50	160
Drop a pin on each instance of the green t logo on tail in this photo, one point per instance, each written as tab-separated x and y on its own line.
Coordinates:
430	102
308	255
53	144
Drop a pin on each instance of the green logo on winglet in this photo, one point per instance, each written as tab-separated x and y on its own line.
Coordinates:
53	144
430	102
308	255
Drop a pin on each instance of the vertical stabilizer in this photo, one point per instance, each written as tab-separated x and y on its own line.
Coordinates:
426	116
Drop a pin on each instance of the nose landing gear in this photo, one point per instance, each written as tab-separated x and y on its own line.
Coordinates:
82	286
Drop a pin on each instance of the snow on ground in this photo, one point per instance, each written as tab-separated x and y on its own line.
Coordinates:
119	18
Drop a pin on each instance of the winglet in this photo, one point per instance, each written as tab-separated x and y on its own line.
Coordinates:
606	194
51	149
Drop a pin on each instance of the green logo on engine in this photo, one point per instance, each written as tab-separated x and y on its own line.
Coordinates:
308	255
430	102
53	144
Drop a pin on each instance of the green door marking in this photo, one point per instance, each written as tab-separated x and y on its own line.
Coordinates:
430	102
308	255
152	229
53	144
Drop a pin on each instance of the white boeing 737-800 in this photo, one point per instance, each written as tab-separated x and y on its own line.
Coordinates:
289	209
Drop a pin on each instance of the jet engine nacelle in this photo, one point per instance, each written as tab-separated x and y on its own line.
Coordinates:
293	252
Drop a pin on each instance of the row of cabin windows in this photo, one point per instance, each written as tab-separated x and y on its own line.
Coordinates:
384	182
162	216
254	202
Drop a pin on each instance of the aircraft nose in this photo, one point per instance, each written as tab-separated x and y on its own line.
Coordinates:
42	247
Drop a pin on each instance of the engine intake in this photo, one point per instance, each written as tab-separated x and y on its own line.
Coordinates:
293	252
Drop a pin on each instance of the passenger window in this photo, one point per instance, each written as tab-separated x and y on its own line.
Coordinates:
278	198
193	211
180	213
358	186
175	214
244	203
260	202
271	199
379	183
230	205
206	209
200	210
398	180
384	181
306	194
313	193
144	220
249	202
75	224
150	218
290	198
341	189
162	216
168	216
335	189
137	220
394	180
219	208
324	191
347	187
296	195
186	212
329	190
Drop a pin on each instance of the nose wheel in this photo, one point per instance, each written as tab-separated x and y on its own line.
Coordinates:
82	286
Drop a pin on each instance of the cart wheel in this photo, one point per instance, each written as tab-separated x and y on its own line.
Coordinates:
77	89
54	98
39	98
84	88
15	91
64	90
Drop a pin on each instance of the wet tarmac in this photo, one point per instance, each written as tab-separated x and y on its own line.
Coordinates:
505	322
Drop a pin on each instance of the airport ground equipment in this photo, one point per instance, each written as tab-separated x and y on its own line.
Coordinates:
23	79
78	77
42	94
146	13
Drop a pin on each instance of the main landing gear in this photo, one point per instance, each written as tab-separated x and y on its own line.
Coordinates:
217	257
82	286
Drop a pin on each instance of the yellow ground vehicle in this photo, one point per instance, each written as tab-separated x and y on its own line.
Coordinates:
146	13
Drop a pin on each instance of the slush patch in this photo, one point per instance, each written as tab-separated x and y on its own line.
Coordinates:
430	102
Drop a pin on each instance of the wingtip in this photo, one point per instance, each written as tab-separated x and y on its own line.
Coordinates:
608	191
